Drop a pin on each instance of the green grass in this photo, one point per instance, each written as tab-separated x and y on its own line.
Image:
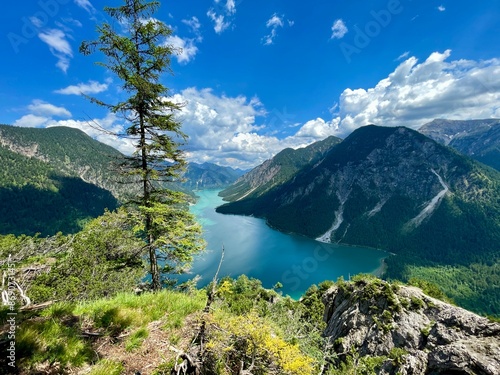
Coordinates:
127	310
107	367
136	339
54	336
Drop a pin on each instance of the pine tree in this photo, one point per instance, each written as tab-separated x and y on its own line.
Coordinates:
138	58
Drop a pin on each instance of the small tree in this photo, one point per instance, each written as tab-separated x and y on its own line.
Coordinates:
138	58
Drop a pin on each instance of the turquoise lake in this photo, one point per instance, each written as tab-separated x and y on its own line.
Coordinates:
255	249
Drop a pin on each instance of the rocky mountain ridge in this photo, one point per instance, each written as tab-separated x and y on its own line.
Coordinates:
209	176
390	188
400	330
277	170
479	139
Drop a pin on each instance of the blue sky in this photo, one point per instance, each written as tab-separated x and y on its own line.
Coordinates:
258	76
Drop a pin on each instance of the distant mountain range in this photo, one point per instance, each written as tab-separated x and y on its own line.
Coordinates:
480	139
277	170
389	188
54	179
210	176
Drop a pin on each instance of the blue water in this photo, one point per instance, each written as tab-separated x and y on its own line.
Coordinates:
253	248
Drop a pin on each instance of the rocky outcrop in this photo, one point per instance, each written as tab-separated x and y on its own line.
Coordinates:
404	331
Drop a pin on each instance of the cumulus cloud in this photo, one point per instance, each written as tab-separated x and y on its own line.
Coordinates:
274	23
225	130
31	121
441	8
41	108
339	29
92	87
318	129
59	47
184	49
416	93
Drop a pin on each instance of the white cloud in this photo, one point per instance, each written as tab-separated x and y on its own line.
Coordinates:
230	6
403	56
92	87
441	8
274	23
222	15
193	23
87	5
31	121
41	108
416	93
339	29
318	129
224	130
184	49
218	19
37	22
59	46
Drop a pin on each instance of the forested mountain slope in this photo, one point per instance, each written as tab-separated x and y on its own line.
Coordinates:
390	188
277	170
69	151
49	180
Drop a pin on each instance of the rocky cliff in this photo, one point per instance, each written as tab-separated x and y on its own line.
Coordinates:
480	139
389	329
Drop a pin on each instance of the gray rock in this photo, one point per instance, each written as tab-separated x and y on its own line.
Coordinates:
416	334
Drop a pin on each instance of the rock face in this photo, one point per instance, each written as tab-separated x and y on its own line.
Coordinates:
480	139
404	331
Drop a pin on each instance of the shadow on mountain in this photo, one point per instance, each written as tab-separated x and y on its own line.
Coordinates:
29	210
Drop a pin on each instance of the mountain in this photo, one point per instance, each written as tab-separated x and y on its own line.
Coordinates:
69	151
480	139
389	188
277	170
210	176
54	179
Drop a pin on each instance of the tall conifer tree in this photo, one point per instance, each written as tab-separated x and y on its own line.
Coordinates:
139	55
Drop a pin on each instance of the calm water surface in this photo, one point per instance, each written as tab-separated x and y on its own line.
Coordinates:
254	249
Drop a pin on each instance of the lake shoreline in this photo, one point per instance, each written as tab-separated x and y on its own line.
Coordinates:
258	250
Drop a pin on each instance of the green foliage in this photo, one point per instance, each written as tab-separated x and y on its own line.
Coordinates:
100	261
474	287
248	339
42	183
428	288
53	341
138	56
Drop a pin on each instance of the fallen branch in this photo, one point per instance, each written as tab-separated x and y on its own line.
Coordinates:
37	306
